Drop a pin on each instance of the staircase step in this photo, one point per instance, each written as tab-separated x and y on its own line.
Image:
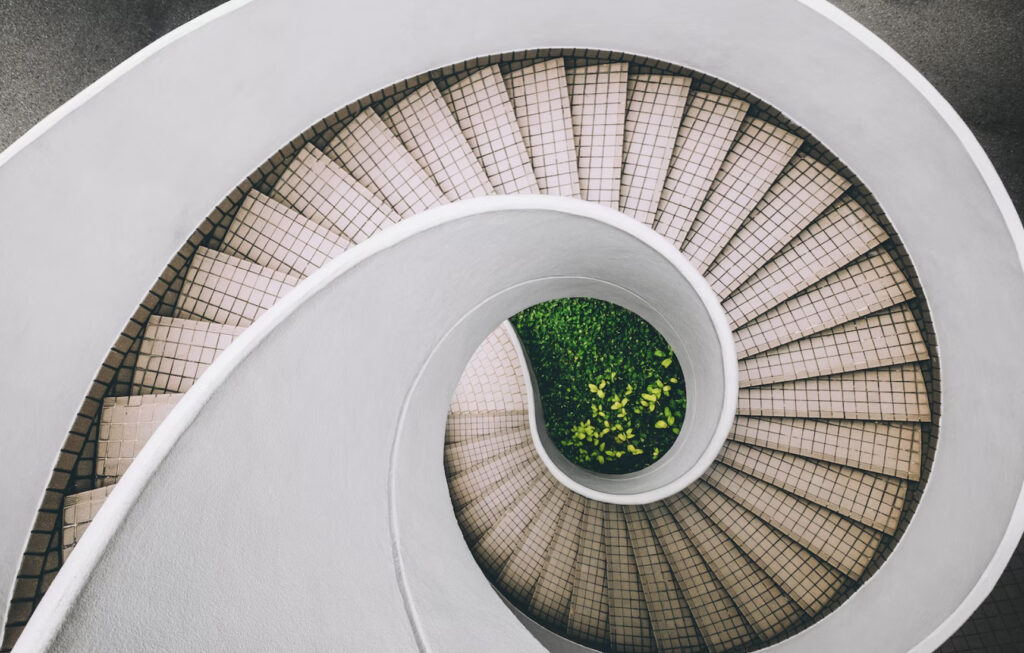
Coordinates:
429	131
378	160
280	238
553	592
465	426
175	351
720	623
505	537
126	423
766	608
807	580
874	500
541	101
887	393
474	484
870	284
78	512
842	543
755	161
891	337
229	290
483	513
484	112
671	621
804	191
629	625
654	111
328	195
588	607
493	379
708	131
598	101
460	457
842	235
892	448
520	574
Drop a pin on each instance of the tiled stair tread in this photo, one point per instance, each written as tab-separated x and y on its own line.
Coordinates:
229	290
629	625
484	112
588	606
280	238
839	237
541	101
175	351
597	95
477	517
477	481
503	538
460	457
892	448
890	337
77	513
378	160
429	131
552	594
328	195
127	423
869	284
757	158
471	425
493	379
766	608
810	582
887	393
874	500
721	625
520	574
671	621
654	111
842	543
800	195
708	131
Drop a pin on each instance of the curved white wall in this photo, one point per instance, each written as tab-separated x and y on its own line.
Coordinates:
94	205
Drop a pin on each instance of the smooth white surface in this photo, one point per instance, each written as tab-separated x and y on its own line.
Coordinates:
112	186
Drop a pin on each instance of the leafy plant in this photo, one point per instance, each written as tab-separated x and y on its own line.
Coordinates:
611	389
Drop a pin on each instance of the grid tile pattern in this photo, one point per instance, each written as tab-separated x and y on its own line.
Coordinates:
870	284
378	160
888	393
720	623
760	153
484	112
842	543
175	351
466	454
629	626
807	580
504	538
891	337
555	586
671	621
489	505
588	607
708	131
277	237
892	448
79	511
428	130
654	111
228	290
763	605
541	101
598	104
470	426
126	424
325	193
492	380
476	482
519	575
803	192
840	236
871	499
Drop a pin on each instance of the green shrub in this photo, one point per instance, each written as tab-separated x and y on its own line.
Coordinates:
611	389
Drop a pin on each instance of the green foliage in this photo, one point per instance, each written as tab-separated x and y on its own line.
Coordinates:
611	389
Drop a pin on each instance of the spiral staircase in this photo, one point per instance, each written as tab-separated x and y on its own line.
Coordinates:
837	413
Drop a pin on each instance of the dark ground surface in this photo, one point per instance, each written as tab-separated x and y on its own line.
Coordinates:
971	50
